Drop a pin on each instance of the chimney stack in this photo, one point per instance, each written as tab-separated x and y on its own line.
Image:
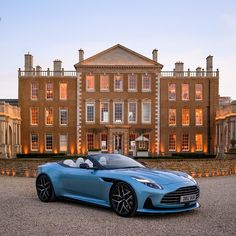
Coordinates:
81	55
28	62
57	67
154	54
179	66
38	70
209	63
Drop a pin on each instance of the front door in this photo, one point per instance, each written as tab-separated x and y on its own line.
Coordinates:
118	144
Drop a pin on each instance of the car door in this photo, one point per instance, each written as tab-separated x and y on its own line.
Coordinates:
83	182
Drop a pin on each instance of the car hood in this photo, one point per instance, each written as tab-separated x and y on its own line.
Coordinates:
162	177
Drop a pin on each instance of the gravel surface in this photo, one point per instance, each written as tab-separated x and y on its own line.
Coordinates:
21	213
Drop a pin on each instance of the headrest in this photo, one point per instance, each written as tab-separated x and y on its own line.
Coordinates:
89	163
79	161
69	162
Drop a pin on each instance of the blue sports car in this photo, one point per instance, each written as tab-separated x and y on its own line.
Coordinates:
119	182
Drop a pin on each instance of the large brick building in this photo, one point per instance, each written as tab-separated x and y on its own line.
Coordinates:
114	98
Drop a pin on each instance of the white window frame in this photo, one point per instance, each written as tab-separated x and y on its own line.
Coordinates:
66	135
169	117
90	89
187	109
171	99
103	89
31	91
185	150
122	83
46	89
150	85
46	116
172	150
67	116
90	104
182	98
31	146
196	117
101	121
122	121
63	99
198	150
136	107
150	114
31	116
196	99
132	89
48	150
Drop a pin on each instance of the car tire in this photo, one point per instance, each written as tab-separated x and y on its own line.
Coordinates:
45	188
123	199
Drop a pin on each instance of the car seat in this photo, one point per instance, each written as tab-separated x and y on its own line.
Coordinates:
79	161
89	163
69	162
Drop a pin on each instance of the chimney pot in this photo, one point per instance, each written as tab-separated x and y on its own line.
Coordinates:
81	55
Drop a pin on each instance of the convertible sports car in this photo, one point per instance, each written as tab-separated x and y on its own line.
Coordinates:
119	182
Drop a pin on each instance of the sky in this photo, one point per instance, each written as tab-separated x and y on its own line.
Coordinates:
181	30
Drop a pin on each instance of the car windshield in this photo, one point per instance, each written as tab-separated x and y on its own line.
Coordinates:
116	161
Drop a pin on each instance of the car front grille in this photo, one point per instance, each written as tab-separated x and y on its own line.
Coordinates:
174	197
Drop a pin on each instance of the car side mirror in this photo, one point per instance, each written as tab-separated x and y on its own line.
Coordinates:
84	166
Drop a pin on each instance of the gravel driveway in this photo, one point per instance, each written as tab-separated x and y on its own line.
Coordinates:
21	213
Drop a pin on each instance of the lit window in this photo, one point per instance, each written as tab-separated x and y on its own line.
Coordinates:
63	91
104	142
198	92
34	142
132	82
90	112
132	138
104	83
146	83
49	116
34	115
198	117
118	112
185	142
90	142
185	92
118	83
132	113
34	91
104	109
63	116
198	140
172	92
146	112
63	142
185	117
48	142
49	91
90	83
172	117
172	142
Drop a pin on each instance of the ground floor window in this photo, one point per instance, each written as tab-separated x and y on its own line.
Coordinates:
48	142
34	142
198	141
104	142
185	142
63	142
172	142
90	141
132	138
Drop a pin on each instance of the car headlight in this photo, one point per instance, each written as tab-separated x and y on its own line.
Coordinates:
148	183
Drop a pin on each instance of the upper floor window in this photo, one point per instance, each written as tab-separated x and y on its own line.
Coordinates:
48	142
34	115
118	112
118	83
172	117
185	92
198	142
146	83
172	92
132	112
49	91
104	109
63	113
34	91
63	91
49	116
63	142
146	112
198	116
198	92
34	142
185	116
185	142
90	83
90	112
132	82
172	142
104	82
